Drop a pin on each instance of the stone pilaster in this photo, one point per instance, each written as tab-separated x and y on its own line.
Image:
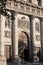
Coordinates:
36	41
2	57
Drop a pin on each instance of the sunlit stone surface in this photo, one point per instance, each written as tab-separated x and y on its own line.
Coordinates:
21	31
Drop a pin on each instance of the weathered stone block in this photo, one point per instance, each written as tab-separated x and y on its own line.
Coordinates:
3	60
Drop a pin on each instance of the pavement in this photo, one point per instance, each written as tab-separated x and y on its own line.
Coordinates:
24	63
17	63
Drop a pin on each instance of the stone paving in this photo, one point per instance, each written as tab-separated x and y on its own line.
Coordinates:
24	63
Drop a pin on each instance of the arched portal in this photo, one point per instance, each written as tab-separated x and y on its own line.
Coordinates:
23	45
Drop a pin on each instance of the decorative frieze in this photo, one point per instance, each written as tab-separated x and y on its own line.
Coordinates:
25	8
38	11
33	10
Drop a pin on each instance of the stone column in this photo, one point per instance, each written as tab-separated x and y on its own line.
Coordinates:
41	31
15	38
34	33
31	37
2	57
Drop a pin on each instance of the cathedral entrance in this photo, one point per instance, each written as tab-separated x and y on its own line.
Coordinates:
23	46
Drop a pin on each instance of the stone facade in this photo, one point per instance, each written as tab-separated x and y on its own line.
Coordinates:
22	23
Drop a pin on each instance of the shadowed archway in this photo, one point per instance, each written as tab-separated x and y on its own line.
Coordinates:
23	46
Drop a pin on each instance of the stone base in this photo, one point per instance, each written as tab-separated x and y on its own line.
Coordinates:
3	60
16	57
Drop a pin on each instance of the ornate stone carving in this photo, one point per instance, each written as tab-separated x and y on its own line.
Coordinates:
7	34
8	22
23	24
38	37
37	27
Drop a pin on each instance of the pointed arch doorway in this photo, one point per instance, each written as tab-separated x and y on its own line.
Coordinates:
23	45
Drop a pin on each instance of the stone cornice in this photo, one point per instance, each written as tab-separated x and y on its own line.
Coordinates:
31	4
25	8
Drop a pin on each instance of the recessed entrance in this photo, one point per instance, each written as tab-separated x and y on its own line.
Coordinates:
23	45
